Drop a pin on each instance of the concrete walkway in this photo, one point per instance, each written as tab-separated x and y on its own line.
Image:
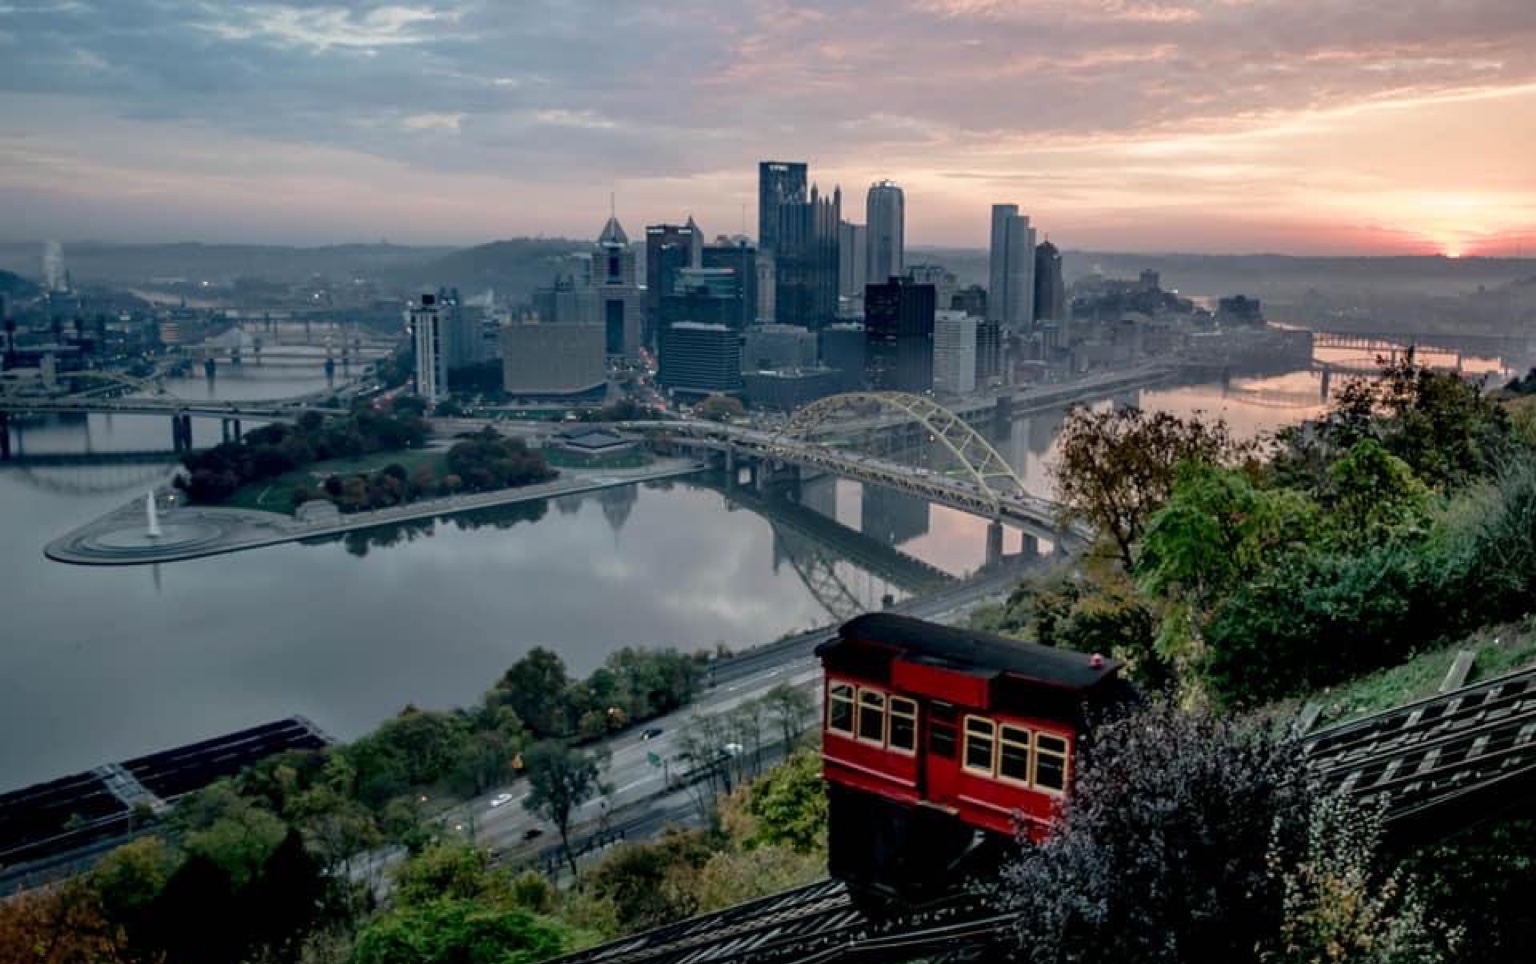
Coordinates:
119	538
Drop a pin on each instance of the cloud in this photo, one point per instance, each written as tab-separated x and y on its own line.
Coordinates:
1083	110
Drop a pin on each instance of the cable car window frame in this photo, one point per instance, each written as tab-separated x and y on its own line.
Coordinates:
909	714
848	696
990	736
1026	744
1064	756
860	710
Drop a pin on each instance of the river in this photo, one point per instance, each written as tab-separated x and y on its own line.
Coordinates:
99	664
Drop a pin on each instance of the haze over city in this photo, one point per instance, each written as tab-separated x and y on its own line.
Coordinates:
1314	126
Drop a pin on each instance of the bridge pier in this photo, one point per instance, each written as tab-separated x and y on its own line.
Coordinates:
1002	416
1327	389
181	432
994	543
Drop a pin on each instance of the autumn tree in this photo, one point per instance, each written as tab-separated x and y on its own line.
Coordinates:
792	709
65	924
1116	466
560	781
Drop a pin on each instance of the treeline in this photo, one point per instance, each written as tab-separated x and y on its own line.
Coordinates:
1404	517
213	475
483	463
273	864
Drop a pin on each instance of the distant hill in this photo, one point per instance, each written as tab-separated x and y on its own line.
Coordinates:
131	264
514	268
15	286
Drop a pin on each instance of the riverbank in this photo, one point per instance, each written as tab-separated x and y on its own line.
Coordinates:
120	538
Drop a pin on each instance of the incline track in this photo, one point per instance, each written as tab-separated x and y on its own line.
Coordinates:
1472	747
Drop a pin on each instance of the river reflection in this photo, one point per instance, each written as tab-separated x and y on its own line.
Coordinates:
98	664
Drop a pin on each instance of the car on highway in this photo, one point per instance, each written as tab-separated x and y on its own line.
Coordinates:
532	833
651	733
500	800
733	749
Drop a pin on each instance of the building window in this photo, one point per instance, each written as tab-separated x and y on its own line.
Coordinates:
980	739
840	708
872	716
903	725
1013	754
1050	763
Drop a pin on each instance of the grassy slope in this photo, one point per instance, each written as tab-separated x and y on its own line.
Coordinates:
1500	649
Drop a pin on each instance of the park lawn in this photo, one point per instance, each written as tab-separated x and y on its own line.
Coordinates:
1500	649
276	495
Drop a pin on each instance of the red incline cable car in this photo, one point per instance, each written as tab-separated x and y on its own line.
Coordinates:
939	745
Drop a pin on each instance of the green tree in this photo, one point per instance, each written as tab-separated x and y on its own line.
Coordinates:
455	871
458	932
1116	467
1375	497
789	804
720	408
560	780
537	688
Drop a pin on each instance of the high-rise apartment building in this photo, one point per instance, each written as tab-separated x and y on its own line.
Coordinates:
778	183
885	219
1011	279
898	330
1050	289
428	331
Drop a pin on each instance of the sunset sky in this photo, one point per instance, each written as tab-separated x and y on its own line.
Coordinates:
1298	126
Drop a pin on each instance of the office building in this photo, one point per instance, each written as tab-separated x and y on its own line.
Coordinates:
554	361
852	255
954	353
944	282
844	350
767	287
989	352
427	317
1011	278
766	347
778	183
619	297
741	257
668	249
885	219
788	389
1240	310
806	260
1050	290
898	331
699	359
568	300
972	300
711	296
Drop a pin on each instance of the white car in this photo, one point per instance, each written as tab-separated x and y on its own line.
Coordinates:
500	799
733	749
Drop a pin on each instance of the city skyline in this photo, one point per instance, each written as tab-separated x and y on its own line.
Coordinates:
1221	126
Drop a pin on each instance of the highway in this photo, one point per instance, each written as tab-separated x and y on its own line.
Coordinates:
640	804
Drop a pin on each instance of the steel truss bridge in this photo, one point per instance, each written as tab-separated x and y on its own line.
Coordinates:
984	483
1437	766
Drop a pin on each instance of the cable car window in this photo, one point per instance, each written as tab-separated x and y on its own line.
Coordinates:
1050	762
872	716
840	708
980	739
903	725
941	739
1013	754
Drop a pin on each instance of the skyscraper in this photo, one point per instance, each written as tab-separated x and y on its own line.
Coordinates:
427	329
885	216
852	254
668	248
619	298
954	353
1011	280
699	359
898	329
1050	291
740	256
778	182
806	260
